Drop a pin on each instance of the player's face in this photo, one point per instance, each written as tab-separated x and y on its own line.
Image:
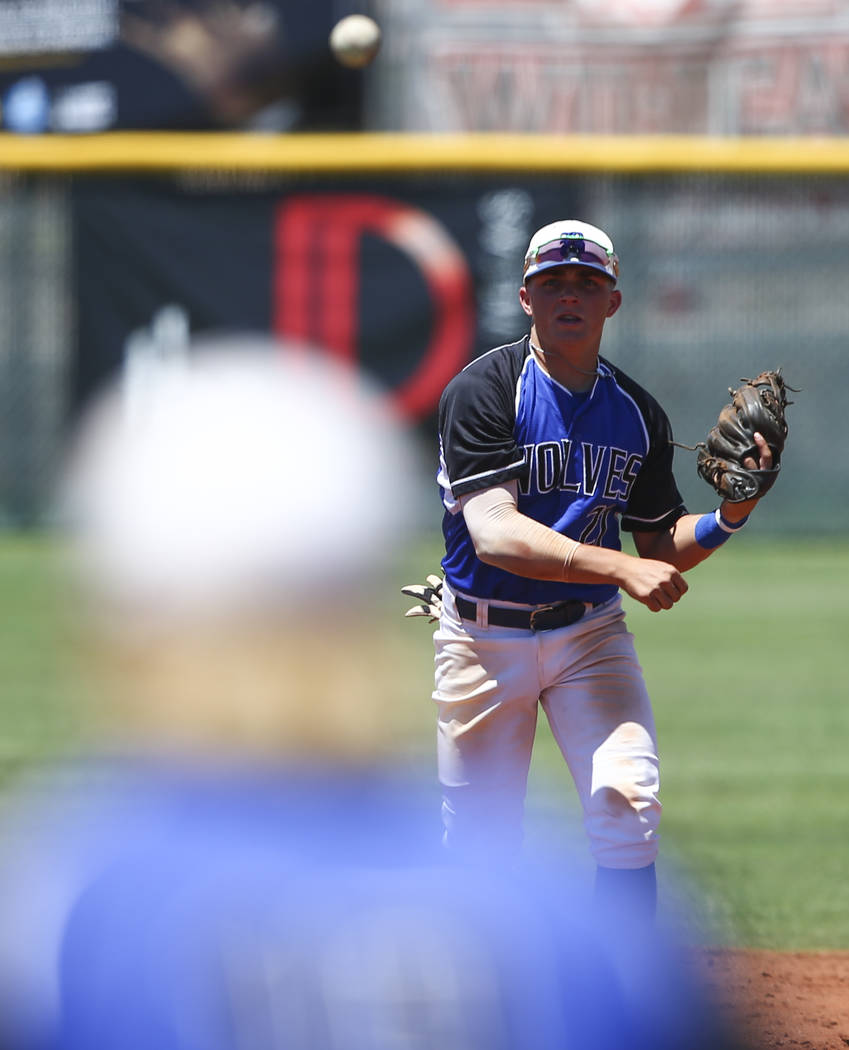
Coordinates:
569	304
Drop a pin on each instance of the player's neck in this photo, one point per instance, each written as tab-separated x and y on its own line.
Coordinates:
575	368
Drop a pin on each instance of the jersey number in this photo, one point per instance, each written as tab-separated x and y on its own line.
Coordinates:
596	528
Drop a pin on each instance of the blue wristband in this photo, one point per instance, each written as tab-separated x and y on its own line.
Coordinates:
730	526
712	530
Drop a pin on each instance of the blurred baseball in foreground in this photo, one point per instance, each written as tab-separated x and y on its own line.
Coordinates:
355	40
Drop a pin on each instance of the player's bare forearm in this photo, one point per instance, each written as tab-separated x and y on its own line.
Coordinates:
677	546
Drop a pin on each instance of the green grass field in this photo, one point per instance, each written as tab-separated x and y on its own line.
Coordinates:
749	679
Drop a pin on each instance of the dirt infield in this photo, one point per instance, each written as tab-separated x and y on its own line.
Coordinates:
784	999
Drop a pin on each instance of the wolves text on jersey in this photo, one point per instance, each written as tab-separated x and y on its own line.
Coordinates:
590	470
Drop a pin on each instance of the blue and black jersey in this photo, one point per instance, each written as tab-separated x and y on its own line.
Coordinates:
582	462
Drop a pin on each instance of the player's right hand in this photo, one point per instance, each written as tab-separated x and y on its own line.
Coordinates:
656	584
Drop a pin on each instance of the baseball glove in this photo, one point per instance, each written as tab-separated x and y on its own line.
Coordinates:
429	597
756	407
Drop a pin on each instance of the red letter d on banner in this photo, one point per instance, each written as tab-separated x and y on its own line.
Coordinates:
316	283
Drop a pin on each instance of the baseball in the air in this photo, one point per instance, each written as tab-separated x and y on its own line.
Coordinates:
355	40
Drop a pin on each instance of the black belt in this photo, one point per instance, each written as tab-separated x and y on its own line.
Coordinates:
543	618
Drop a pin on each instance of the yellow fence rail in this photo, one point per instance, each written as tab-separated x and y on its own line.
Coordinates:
387	152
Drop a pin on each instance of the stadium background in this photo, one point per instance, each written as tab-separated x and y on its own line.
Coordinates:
708	136
142	203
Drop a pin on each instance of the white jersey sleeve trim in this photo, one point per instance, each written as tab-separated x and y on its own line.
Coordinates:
481	357
651	521
491	473
642	420
529	363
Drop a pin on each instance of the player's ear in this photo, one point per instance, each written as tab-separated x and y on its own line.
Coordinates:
525	300
615	302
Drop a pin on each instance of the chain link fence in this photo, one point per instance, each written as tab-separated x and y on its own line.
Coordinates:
36	331
722	276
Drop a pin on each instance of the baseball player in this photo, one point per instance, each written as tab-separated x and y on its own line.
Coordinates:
545	449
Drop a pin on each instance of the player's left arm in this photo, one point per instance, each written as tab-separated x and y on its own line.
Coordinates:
679	545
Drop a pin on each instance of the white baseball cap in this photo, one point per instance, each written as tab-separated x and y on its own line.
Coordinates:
247	473
570	241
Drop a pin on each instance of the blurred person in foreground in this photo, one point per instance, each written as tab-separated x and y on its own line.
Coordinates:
240	863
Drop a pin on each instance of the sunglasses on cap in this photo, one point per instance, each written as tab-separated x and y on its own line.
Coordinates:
572	250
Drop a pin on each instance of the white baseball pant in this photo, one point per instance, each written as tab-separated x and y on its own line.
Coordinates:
489	683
